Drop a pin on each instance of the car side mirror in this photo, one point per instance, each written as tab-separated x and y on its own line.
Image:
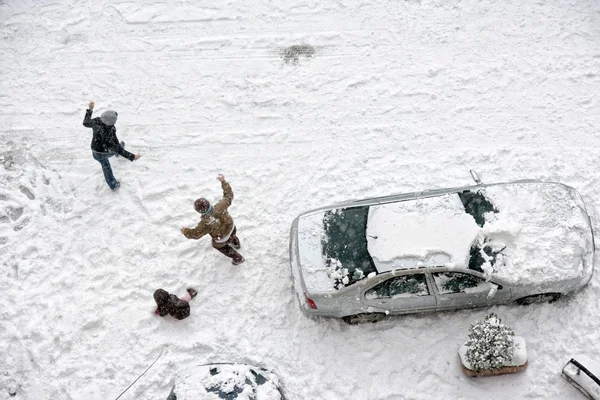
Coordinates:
492	291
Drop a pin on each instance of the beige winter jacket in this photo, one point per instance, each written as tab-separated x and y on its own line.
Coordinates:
219	224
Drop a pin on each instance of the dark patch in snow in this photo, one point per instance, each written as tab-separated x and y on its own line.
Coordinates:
21	225
13	389
8	160
292	54
14	213
27	192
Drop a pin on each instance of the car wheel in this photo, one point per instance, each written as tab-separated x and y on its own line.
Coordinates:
538	298
363	318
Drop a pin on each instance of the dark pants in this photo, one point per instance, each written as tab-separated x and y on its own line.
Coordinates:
102	158
228	248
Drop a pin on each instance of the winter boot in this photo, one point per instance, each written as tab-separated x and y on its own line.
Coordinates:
235	243
193	292
238	261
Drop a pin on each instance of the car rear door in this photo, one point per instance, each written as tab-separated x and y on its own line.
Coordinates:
401	294
464	290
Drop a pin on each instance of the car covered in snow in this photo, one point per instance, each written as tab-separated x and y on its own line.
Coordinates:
226	381
522	241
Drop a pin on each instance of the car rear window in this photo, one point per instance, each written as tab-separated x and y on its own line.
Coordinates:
345	245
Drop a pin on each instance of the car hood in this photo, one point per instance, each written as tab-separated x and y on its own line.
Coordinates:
546	231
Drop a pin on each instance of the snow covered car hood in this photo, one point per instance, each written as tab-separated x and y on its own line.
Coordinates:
542	229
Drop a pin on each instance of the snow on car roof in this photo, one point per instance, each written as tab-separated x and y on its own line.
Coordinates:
433	231
542	229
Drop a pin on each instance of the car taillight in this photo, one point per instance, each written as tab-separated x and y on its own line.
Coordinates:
310	302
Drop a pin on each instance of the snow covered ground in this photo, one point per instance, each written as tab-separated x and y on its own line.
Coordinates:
396	96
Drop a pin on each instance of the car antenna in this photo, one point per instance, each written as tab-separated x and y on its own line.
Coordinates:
475	177
161	353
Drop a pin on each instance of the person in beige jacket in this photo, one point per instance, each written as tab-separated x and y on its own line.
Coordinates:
216	222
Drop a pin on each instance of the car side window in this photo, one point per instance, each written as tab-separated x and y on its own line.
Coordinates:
458	282
398	287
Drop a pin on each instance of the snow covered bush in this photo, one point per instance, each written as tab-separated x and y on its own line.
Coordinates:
491	344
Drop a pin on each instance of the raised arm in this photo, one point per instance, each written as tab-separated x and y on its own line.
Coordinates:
227	196
87	120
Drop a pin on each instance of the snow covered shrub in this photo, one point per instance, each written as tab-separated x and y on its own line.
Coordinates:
491	344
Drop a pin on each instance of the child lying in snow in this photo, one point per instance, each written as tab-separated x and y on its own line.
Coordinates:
171	304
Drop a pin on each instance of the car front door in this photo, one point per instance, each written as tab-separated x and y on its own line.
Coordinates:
464	290
401	294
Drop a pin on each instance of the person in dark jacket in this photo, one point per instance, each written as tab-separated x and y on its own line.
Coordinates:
105	143
169	304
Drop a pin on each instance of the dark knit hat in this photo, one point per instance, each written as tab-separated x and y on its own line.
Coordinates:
161	296
109	117
202	206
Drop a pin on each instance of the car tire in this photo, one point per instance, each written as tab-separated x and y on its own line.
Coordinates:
363	318
538	298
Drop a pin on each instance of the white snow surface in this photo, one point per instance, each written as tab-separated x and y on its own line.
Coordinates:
398	97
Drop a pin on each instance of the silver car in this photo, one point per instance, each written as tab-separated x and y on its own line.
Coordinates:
523	241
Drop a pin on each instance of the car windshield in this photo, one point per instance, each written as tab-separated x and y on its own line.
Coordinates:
345	245
477	205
